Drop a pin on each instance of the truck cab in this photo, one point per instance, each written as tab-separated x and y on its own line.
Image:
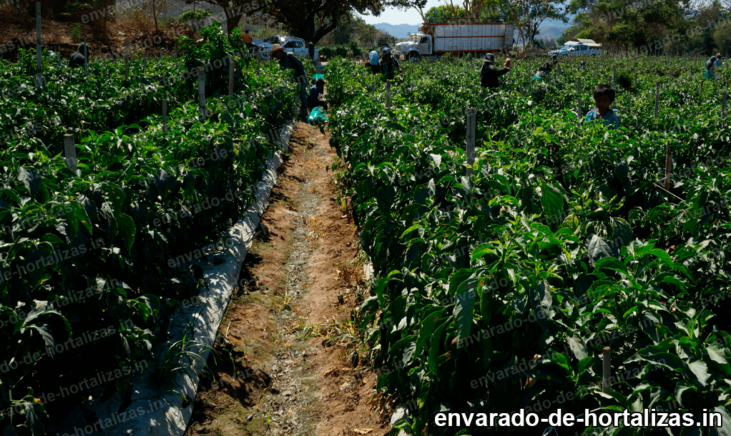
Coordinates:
419	44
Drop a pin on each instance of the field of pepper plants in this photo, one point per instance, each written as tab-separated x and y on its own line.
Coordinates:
499	291
85	282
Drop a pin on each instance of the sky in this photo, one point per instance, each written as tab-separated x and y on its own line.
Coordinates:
395	16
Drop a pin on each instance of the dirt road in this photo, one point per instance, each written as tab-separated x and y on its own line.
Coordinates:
286	357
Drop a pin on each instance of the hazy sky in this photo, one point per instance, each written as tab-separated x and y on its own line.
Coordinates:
395	16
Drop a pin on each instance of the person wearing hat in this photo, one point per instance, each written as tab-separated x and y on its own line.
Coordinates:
543	71
289	61
710	73
388	64
489	74
316	96
718	60
554	58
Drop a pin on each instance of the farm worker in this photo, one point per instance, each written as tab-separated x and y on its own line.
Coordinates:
290	61
718	60
317	91
247	39
710	68
583	64
389	65
489	74
80	57
373	62
543	71
604	97
555	60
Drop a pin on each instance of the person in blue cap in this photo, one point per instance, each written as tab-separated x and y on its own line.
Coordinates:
373	62
604	97
489	74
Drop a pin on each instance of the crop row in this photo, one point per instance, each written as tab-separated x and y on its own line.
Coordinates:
94	250
498	292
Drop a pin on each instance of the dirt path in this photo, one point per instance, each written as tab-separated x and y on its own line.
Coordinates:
286	357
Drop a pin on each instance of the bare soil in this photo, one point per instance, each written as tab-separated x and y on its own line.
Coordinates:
287	355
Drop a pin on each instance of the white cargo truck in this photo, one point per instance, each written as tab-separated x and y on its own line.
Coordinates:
436	39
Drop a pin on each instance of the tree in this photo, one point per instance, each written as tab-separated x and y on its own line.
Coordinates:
235	9
157	7
313	19
414	4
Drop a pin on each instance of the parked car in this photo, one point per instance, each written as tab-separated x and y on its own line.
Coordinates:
290	44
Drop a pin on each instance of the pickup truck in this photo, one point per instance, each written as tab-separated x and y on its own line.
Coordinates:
289	44
575	49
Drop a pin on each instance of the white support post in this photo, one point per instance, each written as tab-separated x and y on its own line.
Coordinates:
202	92
70	151
470	146
164	116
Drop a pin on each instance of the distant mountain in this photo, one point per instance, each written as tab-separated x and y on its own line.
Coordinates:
551	32
398	30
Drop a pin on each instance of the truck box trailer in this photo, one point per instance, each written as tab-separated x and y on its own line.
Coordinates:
436	39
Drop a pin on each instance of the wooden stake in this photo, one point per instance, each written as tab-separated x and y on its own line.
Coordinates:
164	116
723	105
614	76
388	94
657	99
86	61
202	92
70	151
579	109
578	85
126	61
231	79
668	165
607	366
258	62
470	149
39	61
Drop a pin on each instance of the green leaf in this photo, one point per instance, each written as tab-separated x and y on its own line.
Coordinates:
598	248
127	230
700	370
553	205
31	179
434	345
463	312
482	250
612	264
